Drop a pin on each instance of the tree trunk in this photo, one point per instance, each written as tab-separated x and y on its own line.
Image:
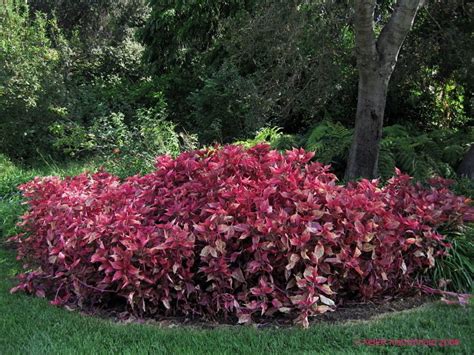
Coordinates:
376	59
371	99
466	168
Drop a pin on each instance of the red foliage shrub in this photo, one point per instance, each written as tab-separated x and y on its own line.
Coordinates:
230	232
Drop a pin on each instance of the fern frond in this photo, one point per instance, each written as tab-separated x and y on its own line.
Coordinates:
331	142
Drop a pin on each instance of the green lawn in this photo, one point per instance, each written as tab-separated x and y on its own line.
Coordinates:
31	325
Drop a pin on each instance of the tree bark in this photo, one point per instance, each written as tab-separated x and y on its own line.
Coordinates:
466	168
365	147
376	59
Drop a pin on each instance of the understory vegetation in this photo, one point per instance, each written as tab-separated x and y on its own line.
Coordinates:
104	81
419	154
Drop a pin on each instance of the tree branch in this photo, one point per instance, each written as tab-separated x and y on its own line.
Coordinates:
364	32
395	31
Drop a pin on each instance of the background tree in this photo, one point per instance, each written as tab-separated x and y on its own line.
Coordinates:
376	60
228	69
432	83
32	90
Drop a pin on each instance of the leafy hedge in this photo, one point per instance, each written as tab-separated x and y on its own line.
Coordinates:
230	232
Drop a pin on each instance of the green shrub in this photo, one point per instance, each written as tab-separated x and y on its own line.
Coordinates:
274	137
287	142
31	81
132	150
11	176
265	135
98	108
224	108
58	80
10	209
465	187
156	135
124	143
152	137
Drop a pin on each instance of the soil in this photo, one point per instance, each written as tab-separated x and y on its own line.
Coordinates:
344	313
366	311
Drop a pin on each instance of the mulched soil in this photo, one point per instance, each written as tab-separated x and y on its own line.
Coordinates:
353	311
366	311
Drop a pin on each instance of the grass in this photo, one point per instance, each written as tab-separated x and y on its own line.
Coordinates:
32	325
12	175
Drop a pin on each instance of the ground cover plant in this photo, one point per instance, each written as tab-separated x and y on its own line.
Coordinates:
231	233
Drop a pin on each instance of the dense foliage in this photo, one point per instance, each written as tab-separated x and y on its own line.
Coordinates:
230	232
30	82
75	86
230	68
76	78
420	154
417	153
